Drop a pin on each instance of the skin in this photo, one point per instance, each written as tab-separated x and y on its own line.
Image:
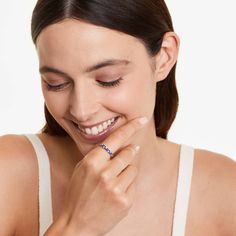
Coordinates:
212	204
96	44
83	100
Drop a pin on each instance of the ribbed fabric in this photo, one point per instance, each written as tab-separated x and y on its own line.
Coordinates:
183	190
182	194
45	198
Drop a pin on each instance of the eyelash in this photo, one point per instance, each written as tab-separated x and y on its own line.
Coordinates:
111	83
101	83
55	87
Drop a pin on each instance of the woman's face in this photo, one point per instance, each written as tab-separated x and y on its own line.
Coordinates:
91	74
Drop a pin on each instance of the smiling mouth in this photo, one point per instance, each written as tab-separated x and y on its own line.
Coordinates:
99	129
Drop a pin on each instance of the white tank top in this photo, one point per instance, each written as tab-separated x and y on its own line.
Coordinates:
182	194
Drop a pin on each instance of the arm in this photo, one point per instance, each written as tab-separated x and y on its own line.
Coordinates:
94	208
87	211
61	228
8	195
18	191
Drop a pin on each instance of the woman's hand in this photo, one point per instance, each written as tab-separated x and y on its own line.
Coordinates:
102	190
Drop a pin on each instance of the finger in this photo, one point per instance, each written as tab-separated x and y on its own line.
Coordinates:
126	178
120	136
121	161
131	193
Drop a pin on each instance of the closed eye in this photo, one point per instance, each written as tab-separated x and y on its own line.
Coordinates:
111	83
58	87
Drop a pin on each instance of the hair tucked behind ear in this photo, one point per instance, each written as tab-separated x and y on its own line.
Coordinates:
147	20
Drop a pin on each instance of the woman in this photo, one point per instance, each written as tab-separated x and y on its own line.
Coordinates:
105	66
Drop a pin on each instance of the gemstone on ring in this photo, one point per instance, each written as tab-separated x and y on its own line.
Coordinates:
106	149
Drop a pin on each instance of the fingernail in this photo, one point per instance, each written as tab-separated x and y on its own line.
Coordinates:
143	120
136	148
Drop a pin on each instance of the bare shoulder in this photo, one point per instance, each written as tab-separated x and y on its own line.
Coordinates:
216	167
15	151
214	181
18	178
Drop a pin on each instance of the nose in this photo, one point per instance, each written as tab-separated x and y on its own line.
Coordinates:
83	103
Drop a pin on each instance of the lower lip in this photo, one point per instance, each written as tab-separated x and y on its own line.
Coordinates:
101	136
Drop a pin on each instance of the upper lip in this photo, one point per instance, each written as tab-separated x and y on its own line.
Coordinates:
97	124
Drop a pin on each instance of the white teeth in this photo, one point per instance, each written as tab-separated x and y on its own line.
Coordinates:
88	131
94	131
98	129
105	125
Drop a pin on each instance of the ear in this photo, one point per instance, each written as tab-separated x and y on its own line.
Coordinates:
167	56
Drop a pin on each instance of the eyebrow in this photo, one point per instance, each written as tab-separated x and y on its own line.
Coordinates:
109	62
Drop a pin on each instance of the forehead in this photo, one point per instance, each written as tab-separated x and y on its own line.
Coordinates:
74	40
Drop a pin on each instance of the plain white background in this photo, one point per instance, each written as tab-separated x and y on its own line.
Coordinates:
205	73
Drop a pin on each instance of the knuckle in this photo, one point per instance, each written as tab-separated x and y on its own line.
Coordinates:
127	156
116	191
104	178
130	150
90	165
124	203
120	161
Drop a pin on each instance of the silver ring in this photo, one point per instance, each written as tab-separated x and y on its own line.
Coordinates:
106	149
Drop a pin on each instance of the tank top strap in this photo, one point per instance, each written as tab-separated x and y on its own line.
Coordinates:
183	190
44	178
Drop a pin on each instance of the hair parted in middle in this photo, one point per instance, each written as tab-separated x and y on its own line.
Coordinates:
147	20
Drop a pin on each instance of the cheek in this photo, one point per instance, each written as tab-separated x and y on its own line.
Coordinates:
134	99
56	104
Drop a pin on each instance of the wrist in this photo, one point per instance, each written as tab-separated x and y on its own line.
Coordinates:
62	227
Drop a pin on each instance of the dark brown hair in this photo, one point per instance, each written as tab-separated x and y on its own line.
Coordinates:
147	20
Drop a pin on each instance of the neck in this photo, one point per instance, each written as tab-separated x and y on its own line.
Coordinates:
150	158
